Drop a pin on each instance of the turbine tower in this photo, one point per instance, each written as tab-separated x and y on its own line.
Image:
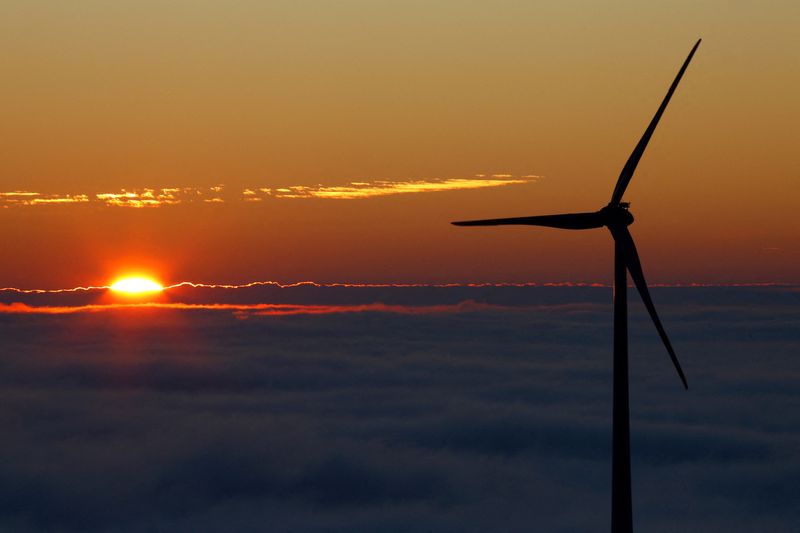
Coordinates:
616	217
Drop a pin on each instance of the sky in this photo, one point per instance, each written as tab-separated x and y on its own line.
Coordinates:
324	351
229	142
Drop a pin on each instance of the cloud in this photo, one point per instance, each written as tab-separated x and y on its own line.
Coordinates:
492	419
359	190
27	198
246	310
148	197
160	197
310	294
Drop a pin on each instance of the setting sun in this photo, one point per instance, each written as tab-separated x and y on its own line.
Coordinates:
136	285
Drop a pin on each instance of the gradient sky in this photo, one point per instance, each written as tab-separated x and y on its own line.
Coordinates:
100	97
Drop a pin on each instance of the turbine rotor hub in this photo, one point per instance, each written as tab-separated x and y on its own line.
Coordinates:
617	215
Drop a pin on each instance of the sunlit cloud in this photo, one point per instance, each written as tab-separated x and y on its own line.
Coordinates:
146	197
16	194
361	189
29	198
53	291
297	284
454	285
218	194
271	298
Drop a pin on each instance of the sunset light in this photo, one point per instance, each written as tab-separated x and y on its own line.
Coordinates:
136	285
400	266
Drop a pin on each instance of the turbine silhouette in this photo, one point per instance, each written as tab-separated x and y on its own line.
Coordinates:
616	217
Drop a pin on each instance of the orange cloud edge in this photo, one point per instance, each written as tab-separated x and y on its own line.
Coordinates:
279	285
283	309
245	310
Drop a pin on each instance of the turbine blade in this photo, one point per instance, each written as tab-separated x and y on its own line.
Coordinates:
630	166
570	221
623	236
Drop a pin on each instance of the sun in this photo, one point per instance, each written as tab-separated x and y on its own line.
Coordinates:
136	285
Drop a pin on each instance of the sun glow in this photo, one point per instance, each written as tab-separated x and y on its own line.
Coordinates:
136	285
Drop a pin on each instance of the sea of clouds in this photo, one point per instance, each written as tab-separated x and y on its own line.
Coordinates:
487	410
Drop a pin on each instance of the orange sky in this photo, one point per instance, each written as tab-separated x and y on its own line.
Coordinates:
100	96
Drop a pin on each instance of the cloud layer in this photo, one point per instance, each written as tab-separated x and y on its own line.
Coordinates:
492	418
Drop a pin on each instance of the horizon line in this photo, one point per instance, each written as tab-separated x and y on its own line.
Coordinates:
403	285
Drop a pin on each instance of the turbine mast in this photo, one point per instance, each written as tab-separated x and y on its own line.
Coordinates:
621	503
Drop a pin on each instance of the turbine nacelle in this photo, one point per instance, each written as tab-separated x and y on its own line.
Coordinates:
616	215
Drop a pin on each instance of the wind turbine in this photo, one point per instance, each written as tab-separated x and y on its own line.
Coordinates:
616	217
